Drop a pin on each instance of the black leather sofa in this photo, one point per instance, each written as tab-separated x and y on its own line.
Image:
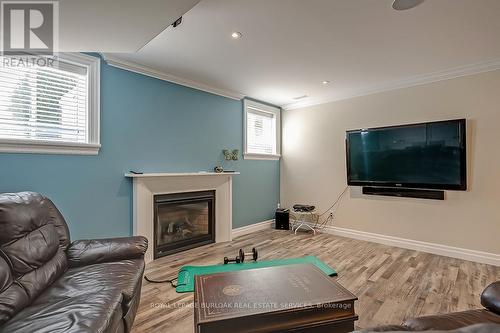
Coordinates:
48	284
485	320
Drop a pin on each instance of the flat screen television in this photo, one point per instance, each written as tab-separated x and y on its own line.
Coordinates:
427	155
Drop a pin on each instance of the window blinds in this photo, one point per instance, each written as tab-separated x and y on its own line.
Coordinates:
44	103
261	132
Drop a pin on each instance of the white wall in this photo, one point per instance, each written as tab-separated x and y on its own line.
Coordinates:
313	168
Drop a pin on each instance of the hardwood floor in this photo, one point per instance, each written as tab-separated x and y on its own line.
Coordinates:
391	283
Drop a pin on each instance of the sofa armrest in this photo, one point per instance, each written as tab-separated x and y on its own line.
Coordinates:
86	252
490	297
452	321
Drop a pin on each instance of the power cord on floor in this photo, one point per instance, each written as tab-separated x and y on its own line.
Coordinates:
171	281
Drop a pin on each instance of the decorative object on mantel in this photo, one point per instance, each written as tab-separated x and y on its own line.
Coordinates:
231	155
219	169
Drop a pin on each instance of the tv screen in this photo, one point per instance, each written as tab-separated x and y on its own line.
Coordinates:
428	155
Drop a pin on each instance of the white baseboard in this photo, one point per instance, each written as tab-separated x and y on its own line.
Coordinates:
434	248
248	229
444	250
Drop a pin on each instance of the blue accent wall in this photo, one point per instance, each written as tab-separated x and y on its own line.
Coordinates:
153	126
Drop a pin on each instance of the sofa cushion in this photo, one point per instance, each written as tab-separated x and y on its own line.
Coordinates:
124	276
33	242
451	321
90	312
91	298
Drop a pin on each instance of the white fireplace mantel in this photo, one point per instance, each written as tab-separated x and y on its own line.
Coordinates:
179	174
147	185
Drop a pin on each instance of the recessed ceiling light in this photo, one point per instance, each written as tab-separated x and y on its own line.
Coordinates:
406	4
236	35
325	82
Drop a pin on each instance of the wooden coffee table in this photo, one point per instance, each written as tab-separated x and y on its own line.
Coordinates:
273	299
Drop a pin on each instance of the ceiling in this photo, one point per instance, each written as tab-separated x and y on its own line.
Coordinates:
115	25
289	47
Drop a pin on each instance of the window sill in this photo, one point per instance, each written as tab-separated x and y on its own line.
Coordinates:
270	157
48	147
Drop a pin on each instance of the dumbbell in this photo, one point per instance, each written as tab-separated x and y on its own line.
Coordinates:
241	256
254	254
227	260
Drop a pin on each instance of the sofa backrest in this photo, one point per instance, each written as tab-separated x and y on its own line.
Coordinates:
33	240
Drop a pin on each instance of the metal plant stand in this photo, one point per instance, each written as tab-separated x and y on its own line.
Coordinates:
300	221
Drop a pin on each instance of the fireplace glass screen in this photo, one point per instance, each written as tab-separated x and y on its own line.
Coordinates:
183	221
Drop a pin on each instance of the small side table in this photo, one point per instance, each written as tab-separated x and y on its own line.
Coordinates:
299	221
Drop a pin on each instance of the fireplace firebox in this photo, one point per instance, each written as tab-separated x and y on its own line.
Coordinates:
183	221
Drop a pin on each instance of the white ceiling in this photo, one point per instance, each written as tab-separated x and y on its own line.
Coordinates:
115	25
290	46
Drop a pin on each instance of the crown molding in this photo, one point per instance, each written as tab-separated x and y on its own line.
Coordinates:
416	80
148	71
412	81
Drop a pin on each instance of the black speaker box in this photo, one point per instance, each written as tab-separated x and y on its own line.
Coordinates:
282	219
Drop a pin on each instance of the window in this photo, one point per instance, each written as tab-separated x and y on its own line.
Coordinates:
51	109
262	131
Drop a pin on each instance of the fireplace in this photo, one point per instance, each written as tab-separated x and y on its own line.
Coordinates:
146	186
183	221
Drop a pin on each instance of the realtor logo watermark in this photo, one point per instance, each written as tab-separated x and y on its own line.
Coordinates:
29	30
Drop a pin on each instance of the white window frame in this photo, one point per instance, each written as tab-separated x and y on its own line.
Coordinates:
276	112
93	65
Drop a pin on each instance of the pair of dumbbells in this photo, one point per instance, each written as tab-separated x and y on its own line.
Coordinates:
241	256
